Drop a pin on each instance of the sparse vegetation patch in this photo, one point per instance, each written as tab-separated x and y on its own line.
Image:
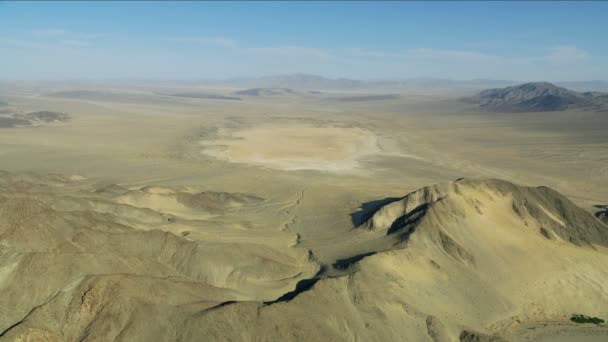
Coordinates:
582	319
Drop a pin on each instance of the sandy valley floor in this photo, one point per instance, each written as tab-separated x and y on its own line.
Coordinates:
296	147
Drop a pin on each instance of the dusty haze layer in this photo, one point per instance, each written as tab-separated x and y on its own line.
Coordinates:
297	216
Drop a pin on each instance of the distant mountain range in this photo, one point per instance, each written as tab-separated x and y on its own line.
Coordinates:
537	97
315	82
310	82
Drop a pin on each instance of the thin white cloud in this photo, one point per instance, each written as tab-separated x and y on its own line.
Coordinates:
36	44
219	41
59	36
20	43
279	51
567	54
373	53
290	51
91	35
50	32
75	43
425	53
563	54
454	54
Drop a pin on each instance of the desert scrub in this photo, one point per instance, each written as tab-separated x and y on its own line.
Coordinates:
586	319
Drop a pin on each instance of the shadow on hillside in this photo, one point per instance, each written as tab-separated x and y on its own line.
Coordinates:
368	209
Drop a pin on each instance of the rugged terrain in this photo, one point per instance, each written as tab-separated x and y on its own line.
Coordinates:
462	260
297	216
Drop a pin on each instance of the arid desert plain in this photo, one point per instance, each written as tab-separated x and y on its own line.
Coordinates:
197	212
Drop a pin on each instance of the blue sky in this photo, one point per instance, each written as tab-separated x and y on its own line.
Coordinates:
364	40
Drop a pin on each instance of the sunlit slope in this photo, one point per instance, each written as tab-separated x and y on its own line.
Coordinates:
78	262
467	259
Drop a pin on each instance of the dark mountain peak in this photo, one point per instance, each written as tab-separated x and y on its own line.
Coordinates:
536	85
541	87
534	97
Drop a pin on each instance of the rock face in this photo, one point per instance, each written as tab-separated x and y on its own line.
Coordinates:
603	216
536	97
602	213
555	216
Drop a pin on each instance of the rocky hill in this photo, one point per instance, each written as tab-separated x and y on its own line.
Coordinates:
469	260
536	97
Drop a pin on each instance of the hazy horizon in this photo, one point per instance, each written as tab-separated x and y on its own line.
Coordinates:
361	40
294	74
